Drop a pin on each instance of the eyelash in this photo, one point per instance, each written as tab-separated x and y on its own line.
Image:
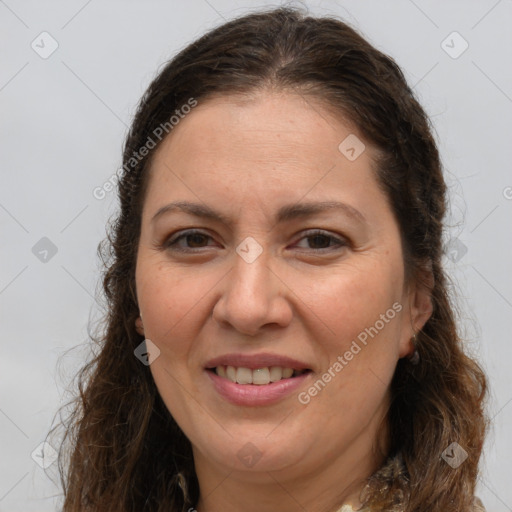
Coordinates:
170	243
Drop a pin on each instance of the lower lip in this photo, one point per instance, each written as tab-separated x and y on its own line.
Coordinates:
253	394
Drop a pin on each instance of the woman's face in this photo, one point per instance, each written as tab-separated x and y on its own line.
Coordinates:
273	279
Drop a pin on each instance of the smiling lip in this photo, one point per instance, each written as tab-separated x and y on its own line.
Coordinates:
255	395
252	394
256	361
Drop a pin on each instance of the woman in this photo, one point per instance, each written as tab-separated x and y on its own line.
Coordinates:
279	332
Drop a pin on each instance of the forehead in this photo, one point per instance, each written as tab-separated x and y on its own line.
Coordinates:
270	126
272	148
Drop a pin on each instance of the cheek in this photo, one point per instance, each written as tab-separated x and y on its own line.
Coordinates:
165	301
361	307
350	300
170	303
175	304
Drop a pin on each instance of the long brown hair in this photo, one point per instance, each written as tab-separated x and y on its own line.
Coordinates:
122	450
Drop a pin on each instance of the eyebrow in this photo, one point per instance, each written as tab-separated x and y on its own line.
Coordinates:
285	213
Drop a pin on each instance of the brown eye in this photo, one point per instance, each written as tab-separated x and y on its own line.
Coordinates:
193	240
321	240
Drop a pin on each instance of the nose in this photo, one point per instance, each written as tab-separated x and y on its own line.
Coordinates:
253	298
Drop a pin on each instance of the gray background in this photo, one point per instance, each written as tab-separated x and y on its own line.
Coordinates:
63	121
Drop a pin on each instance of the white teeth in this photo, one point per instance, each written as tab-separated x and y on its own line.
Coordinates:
276	373
244	376
287	373
259	376
230	373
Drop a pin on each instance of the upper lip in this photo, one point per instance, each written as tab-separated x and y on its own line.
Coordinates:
254	361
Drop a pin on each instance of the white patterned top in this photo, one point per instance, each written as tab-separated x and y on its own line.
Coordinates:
477	507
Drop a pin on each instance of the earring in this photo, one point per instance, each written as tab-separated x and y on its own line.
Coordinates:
139	325
414	359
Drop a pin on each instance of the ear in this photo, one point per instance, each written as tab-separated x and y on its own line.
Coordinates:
419	308
139	326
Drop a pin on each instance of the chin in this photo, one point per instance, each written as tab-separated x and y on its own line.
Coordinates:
256	452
